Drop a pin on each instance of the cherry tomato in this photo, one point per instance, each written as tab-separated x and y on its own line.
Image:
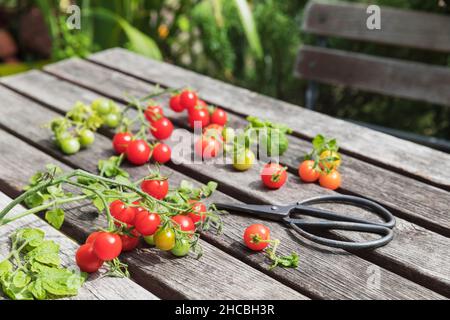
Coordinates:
86	258
181	248
121	141
156	188
207	147
127	215
331	180
199	117
150	240
138	152
201	103
153	113
116	207
86	138
102	106
147	223
331	159
175	104
162	129
138	207
243	160
307	172
273	175
219	116
130	242
184	222
107	246
213	130
188	99
253	236
164	239
70	146
112	120
161	153
93	236
198	211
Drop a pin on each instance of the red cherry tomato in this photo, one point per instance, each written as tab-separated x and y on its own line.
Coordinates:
107	246
175	104
207	147
253	236
93	236
86	258
162	153
153	113
188	99
156	188
116	207
273	175
130	242
121	141
219	116
202	103
127	215
147	223
213	130
162	129
138	152
184	222
331	180
307	172
198	211
199	117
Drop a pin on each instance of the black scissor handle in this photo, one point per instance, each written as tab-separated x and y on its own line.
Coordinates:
386	233
303	207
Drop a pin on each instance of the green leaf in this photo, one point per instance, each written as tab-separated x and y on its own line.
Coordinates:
33	237
138	41
5	268
55	217
60	282
37	290
21	279
98	203
46	253
111	167
249	26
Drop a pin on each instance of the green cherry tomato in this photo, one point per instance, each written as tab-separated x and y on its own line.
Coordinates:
243	160
228	134
150	240
112	120
181	248
165	239
61	136
70	146
102	106
86	137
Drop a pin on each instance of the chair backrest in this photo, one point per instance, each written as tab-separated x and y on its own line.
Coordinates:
387	76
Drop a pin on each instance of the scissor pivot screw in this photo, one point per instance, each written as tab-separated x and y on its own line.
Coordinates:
274	208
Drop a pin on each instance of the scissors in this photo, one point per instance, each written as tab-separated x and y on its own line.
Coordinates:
290	215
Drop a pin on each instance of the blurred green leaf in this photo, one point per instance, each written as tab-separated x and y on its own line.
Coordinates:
249	25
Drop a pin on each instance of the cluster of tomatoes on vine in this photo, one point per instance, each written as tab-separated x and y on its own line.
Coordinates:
167	232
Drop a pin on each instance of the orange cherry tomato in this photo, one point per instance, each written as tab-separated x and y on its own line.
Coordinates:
331	180
307	172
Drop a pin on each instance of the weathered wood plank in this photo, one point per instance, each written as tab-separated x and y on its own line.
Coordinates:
399	27
369	145
410	80
310	255
96	287
419	205
212	277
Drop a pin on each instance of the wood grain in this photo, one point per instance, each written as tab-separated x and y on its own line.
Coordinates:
312	257
399	27
96	288
419	205
159	272
410	80
369	145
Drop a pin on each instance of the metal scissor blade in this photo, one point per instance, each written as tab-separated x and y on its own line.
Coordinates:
271	212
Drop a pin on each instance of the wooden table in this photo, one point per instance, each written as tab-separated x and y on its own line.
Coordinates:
411	180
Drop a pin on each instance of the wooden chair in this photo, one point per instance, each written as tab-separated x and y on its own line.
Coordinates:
381	75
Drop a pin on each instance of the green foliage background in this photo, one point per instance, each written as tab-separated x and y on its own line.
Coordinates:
212	37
